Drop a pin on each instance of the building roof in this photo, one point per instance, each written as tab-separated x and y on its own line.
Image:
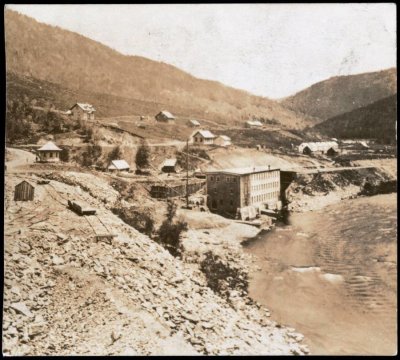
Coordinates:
194	122
224	137
243	170
118	165
205	134
167	114
85	107
25	181
50	146
169	162
319	145
254	123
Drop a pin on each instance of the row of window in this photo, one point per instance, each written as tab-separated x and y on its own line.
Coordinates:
265	197
265	175
274	184
215	191
227	178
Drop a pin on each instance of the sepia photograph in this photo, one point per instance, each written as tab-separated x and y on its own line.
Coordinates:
200	179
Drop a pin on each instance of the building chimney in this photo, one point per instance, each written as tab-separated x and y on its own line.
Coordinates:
269	167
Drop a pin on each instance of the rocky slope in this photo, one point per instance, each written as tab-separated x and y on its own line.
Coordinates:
65	293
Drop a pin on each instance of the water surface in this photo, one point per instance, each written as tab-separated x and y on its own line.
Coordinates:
332	274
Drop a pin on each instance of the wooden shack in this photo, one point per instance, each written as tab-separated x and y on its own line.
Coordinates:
24	191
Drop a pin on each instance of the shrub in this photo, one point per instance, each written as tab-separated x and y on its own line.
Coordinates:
169	233
138	219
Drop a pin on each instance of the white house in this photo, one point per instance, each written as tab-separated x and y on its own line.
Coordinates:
203	137
223	140
82	111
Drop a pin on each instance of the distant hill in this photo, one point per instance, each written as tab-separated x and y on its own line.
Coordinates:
341	94
84	66
374	121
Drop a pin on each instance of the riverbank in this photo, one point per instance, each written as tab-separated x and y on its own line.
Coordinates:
332	274
310	192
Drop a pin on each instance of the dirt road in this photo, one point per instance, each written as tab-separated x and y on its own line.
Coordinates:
332	274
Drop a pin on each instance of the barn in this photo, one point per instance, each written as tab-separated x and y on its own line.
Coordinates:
24	191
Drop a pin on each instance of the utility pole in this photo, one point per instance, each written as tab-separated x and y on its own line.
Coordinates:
187	173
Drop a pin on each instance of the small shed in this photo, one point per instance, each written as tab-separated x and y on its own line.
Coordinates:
165	116
193	123
49	152
24	191
223	140
118	165
169	166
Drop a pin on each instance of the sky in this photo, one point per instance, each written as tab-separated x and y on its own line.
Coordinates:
271	50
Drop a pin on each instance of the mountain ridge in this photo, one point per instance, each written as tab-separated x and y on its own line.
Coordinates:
36	50
340	94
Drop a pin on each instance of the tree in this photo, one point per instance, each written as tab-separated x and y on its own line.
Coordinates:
115	153
142	156
64	155
169	234
91	155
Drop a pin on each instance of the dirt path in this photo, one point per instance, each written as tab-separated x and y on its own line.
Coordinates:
18	159
332	274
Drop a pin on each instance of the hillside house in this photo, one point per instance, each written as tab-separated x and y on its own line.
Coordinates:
230	190
49	152
165	116
203	137
253	124
169	166
24	191
223	140
320	147
193	123
82	111
118	165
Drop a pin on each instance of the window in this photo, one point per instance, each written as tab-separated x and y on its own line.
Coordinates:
51	154
221	201
211	178
217	179
234	179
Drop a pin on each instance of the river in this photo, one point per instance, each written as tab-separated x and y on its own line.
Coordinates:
332	275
